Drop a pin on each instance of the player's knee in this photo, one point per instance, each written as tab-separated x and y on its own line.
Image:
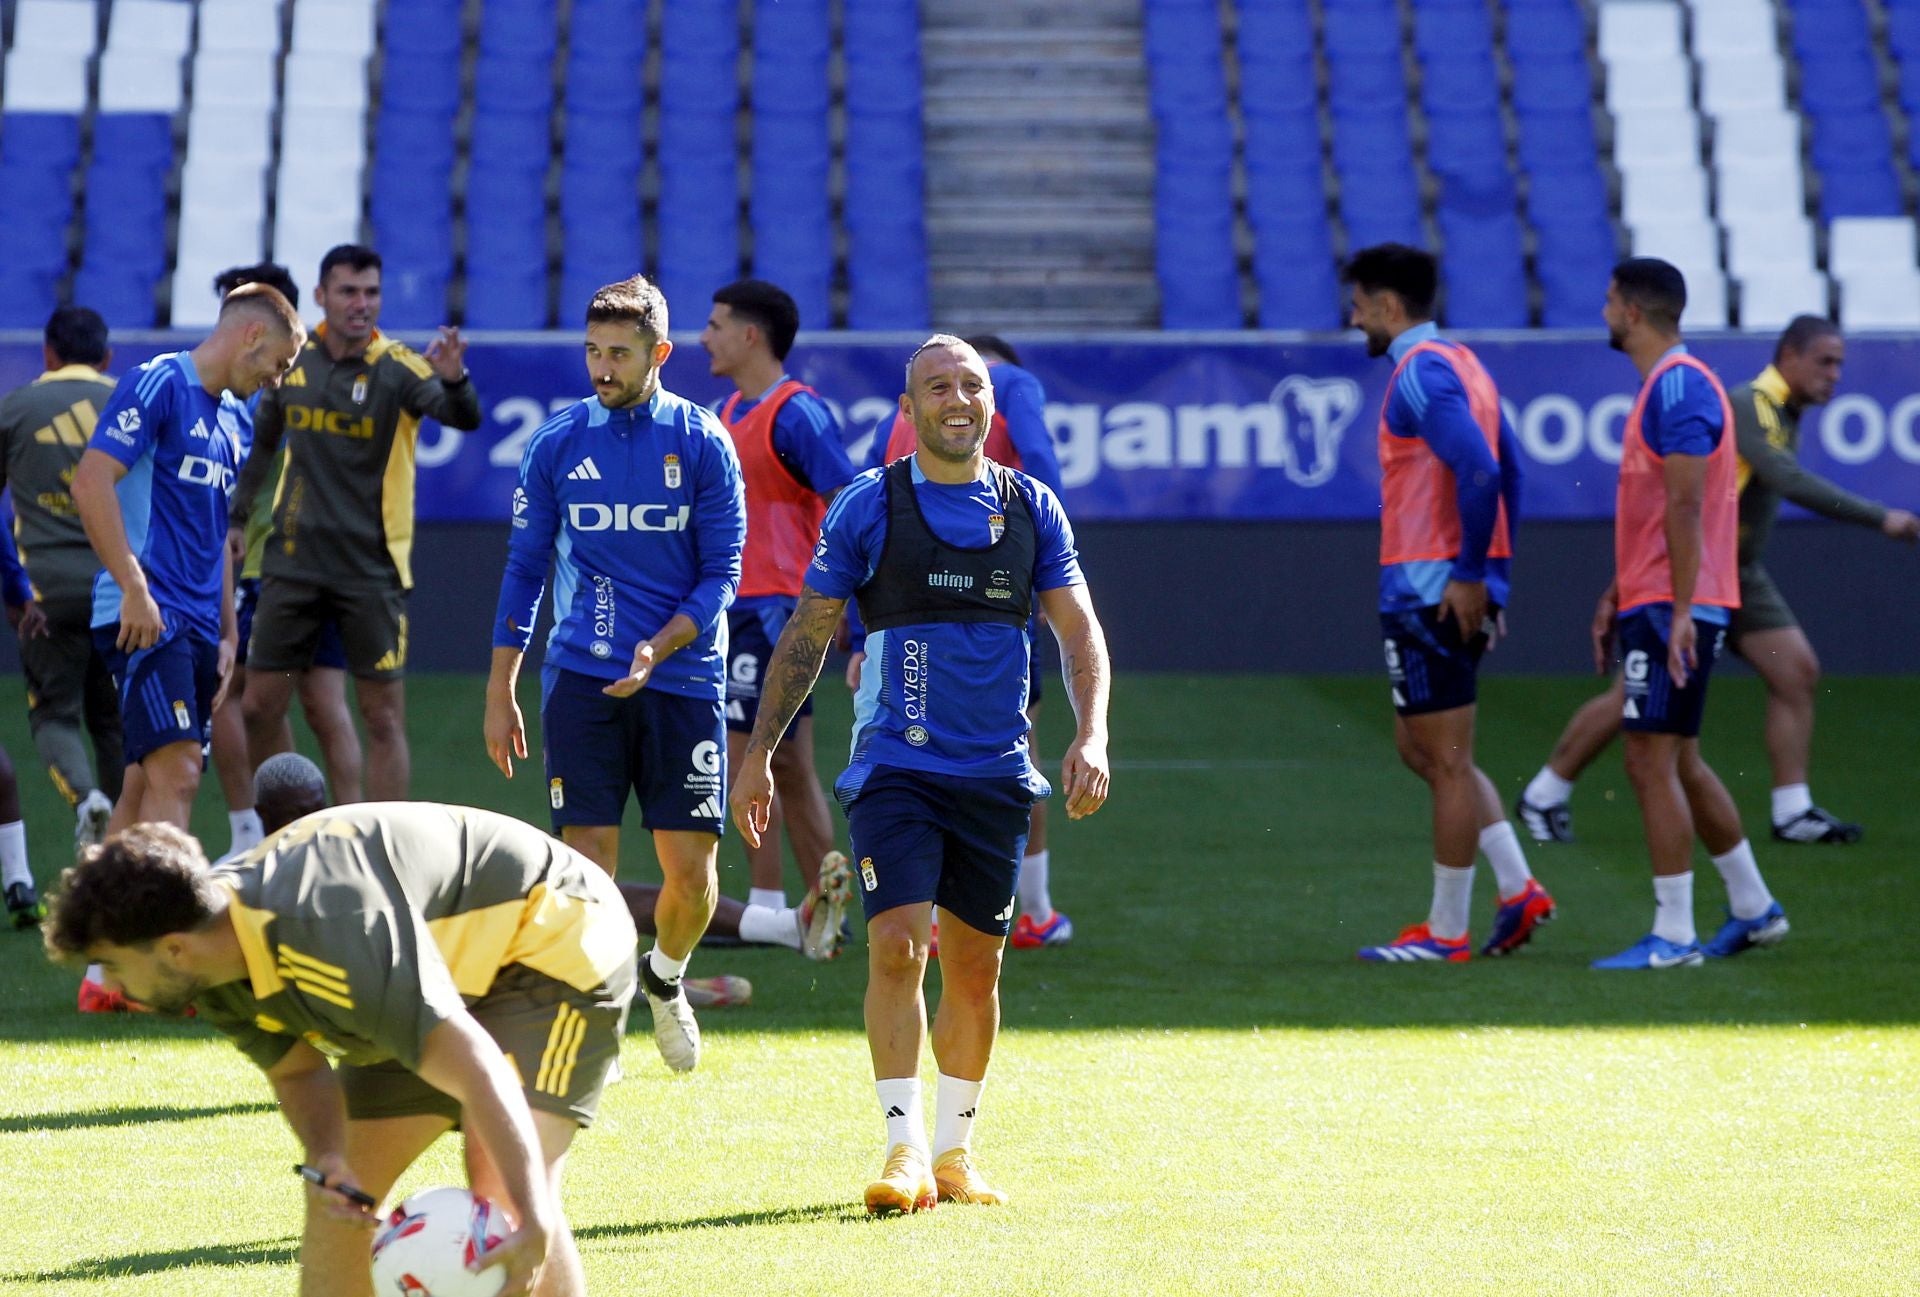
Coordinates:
263	705
384	717
895	952
173	770
973	976
1646	762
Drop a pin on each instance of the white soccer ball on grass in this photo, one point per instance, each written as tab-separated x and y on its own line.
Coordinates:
427	1242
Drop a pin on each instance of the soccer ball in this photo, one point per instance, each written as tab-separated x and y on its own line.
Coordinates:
428	1241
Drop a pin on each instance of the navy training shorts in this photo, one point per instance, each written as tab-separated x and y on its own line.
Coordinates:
1653	705
952	840
1430	667
667	749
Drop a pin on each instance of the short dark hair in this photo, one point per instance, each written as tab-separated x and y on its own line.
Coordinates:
936	342
1803	331
77	335
263	301
1410	274
1657	287
131	890
997	345
271	273
354	256
637	301
768	307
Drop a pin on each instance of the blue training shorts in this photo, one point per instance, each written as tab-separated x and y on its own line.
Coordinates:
166	691
1653	705
751	635
328	650
1431	669
951	840
669	750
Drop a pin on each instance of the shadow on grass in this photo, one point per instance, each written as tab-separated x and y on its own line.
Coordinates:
127	1116
281	1251
778	1216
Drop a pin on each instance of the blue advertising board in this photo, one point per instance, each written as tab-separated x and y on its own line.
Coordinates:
1168	429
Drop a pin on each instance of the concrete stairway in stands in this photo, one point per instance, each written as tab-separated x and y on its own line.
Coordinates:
1039	157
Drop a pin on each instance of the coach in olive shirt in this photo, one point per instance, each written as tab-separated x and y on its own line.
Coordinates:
341	547
44	428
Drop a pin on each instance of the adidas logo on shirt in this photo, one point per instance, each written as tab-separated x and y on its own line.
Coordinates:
199	430
584	471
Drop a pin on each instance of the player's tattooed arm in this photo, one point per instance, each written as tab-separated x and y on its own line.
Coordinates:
795	666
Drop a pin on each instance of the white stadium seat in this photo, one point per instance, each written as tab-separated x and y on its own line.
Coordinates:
333	133
1751	85
326	81
133	81
1706	296
194	303
1760	189
333	27
56	26
1655	138
320	190
1768	301
1656	195
1726	31
224	233
227	80
38	81
1858	246
153	26
232	135
1663	84
212	183
1639	29
1881	301
1684	243
1759	136
1777	241
240	26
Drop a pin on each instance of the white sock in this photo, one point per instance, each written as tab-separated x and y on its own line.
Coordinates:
1790	801
247	830
771	897
1673	908
13	855
900	1105
1035	902
1452	901
1548	789
954	1104
664	967
1502	849
96	975
1747	894
766	926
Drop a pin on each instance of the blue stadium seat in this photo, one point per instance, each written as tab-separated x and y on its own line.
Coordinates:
412	297
143	140
1373	143
424	27
1460	143
125	298
1445	32
50	140
1903	32
513	82
530	28
1838	81
794	139
1552	84
1367	84
1274	30
1568	194
800	261
515	141
1282	141
1296	284
1460	85
1552	30
508	297
1380	203
413	141
616	29
1197	138
1823	26
1842	141
1357	29
1870	191
1555	141
27	297
1276	83
418	83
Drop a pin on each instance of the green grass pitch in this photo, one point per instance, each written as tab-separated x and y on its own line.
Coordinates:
1204	1093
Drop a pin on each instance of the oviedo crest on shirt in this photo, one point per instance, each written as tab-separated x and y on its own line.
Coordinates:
360	390
671	466
996	526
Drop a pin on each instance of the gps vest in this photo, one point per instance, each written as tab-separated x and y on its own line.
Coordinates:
922	579
1639	530
783	517
1419	508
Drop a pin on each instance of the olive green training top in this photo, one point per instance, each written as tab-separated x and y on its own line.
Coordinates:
44	428
366	927
1766	431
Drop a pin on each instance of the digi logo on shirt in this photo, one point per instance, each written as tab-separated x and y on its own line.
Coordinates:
628	517
197	470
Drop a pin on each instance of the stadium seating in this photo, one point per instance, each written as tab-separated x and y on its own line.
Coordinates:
510	157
